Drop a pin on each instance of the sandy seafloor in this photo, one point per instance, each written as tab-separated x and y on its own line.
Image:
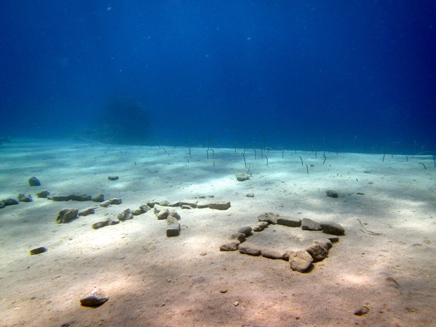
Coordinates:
153	280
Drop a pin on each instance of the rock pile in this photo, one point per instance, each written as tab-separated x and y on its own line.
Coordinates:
301	260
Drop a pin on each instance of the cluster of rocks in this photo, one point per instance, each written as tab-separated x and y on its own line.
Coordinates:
196	204
301	260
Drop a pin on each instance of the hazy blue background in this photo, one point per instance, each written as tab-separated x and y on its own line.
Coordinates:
353	75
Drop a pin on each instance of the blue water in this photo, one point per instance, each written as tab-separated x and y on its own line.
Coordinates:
337	75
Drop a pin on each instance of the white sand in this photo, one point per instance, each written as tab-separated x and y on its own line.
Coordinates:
153	280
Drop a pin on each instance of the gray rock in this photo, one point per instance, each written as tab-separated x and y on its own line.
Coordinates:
43	194
230	246
125	215
317	251
203	204
325	242
152	203
33	181
80	197
173	229
332	228
144	208
25	198
99	197
105	204
171	220
115	201
242	177
333	239
249	248
86	212
95	298
332	193
163	214
289	221
100	224
260	226
174	214
240	237
60	197
250	195
164	203
309	224
9	201
300	261
219	205
271	254
245	230
191	203
38	250
113	178
2	204
137	212
66	215
269	217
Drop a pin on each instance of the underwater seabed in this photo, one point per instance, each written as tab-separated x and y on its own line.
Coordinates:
385	262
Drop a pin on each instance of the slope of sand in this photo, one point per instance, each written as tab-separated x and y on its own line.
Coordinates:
153	280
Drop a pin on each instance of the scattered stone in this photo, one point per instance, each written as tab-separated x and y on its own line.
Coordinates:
33	181
238	236
144	208
99	197
115	201
113	222
289	221
185	207
250	195
86	212
164	203
163	214
9	201
202	204
173	229
317	251
245	230
219	205
94	299
271	254
171	220
269	217
80	197
260	226
113	178
152	203
332	193
249	248
43	194
190	203
174	214
2	205
67	215
125	215
230	246
363	310
242	177
325	242
38	250
60	197
332	228
333	239
100	224
25	198
300	261
105	204
309	224
137	212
